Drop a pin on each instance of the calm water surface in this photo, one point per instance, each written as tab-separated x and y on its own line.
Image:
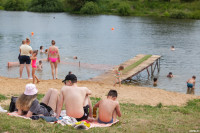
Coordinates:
92	40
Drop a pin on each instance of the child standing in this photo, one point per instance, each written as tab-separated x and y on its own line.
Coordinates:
190	85
34	67
118	74
109	108
41	49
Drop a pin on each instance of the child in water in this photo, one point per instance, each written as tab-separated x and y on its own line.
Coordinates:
170	75
190	85
39	67
34	67
155	82
118	74
41	49
172	48
46	51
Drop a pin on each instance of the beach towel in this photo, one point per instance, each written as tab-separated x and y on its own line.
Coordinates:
96	124
16	115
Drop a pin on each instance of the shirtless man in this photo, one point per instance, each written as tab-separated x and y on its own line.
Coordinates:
76	99
190	85
109	108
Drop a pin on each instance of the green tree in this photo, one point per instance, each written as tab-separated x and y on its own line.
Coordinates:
74	5
15	5
90	8
46	6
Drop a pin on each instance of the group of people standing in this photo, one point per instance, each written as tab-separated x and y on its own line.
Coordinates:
28	57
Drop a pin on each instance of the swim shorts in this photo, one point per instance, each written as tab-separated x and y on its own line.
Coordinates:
99	121
85	115
24	59
189	85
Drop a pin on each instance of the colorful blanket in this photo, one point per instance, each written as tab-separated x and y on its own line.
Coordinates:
92	124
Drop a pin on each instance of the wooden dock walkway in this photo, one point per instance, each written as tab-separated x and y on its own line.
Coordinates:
131	68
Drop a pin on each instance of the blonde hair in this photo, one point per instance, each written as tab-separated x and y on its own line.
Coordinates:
24	101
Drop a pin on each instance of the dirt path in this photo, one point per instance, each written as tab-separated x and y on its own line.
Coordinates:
127	94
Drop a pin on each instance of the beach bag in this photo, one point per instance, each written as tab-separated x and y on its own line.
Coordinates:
12	107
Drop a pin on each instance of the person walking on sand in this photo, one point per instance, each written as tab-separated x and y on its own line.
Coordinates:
191	85
76	99
53	58
25	52
34	66
118	74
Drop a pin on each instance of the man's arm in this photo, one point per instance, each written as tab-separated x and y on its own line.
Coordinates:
88	92
60	104
118	110
29	114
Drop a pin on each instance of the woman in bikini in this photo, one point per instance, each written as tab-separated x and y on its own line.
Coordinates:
53	58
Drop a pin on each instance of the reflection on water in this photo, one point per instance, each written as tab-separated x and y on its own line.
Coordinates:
92	40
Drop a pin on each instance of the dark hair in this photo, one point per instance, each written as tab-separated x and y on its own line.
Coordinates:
121	68
170	73
41	47
53	41
35	51
194	77
112	93
155	79
172	46
40	61
69	73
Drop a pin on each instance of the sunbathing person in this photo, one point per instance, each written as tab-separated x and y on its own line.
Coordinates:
76	99
109	108
27	104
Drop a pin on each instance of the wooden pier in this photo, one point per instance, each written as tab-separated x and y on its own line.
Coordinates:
132	67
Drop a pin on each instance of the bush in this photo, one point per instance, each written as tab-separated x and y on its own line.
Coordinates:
90	8
166	14
46	6
1	8
178	14
186	0
124	9
15	5
74	5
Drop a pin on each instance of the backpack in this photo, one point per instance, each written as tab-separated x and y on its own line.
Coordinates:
12	107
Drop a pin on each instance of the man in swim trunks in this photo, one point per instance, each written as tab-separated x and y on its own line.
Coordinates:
76	99
109	108
190	85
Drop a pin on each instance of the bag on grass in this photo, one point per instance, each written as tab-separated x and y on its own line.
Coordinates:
12	107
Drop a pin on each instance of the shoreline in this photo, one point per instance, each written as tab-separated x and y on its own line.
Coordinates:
126	93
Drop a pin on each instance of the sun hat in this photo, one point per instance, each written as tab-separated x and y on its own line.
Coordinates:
30	89
71	77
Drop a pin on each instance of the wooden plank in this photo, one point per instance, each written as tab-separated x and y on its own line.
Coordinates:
108	77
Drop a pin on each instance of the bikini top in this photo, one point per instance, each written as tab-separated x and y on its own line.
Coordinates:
53	52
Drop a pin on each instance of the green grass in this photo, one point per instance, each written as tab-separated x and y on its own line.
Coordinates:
2	97
136	64
135	118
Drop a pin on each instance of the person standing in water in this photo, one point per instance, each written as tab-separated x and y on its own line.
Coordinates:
191	85
53	58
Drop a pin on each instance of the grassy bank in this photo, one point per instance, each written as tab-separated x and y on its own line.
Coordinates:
157	8
135	118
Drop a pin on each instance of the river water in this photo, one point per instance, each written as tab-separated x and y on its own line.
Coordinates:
91	39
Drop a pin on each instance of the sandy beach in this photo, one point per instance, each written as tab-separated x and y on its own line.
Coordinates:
127	94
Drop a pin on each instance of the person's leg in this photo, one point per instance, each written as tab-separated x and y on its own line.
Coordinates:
53	100
114	115
21	70
28	69
46	97
119	81
192	91
56	68
87	101
52	69
33	75
188	90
